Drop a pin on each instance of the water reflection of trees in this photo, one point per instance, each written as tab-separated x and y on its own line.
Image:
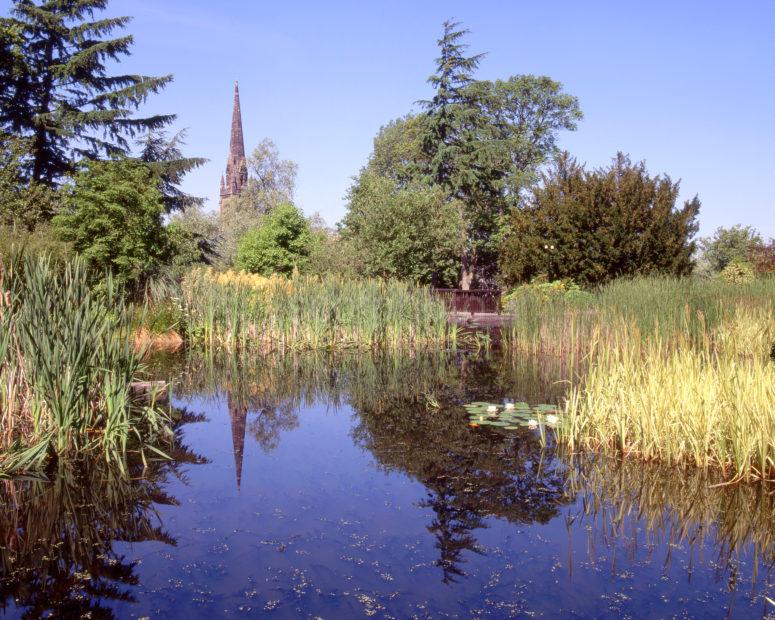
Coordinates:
473	474
57	537
469	474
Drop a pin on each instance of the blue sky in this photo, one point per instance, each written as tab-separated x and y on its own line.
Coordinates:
689	86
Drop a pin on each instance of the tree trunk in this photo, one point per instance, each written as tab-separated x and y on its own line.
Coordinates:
467	272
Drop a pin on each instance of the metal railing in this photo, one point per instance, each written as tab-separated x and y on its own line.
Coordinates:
478	301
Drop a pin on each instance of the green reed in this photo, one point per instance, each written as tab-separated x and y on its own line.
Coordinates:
238	311
66	367
685	309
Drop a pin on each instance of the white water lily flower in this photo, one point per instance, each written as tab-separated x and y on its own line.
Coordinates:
552	419
532	423
509	406
492	409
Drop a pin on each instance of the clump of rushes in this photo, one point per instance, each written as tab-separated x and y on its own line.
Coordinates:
711	405
67	363
678	310
235	310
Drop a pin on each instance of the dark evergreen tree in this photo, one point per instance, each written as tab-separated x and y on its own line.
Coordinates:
484	142
450	140
596	226
165	157
56	90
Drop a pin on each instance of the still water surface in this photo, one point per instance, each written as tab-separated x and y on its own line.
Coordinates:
353	487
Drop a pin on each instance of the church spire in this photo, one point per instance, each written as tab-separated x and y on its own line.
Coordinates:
236	165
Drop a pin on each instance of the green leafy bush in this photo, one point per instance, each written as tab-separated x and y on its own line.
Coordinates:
279	245
541	292
738	272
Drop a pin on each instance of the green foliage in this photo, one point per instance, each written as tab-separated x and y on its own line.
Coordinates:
271	183
728	245
594	226
738	272
484	142
279	245
165	157
193	238
331	253
66	365
476	145
56	91
22	204
113	218
541	293
411	233
43	240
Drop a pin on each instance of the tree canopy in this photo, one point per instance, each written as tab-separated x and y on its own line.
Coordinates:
727	245
55	89
593	226
279	245
476	144
112	216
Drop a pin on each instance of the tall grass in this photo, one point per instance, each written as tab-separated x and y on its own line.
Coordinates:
239	311
678	310
677	371
66	367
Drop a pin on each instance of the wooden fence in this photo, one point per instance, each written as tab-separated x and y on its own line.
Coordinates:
479	301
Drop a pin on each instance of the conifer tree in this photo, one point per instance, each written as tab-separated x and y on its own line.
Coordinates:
594	226
164	156
56	90
450	139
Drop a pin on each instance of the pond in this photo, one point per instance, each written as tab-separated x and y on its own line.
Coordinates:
353	486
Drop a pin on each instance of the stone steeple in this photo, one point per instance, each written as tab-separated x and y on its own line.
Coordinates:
236	166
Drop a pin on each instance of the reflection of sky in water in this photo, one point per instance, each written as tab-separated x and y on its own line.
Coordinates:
318	529
383	508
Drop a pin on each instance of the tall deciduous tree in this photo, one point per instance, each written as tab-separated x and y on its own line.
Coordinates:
281	243
727	245
411	233
56	90
593	226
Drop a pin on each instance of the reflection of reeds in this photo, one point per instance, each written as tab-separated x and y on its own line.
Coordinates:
234	310
677	507
56	537
66	366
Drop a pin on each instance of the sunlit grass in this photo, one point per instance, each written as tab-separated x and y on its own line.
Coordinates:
707	400
241	311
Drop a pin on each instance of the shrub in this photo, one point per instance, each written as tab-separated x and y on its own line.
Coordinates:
738	272
279	245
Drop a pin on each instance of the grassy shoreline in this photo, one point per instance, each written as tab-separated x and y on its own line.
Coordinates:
67	363
676	371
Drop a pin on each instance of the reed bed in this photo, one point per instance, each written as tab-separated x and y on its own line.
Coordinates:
707	400
66	367
676	370
680	311
233	310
